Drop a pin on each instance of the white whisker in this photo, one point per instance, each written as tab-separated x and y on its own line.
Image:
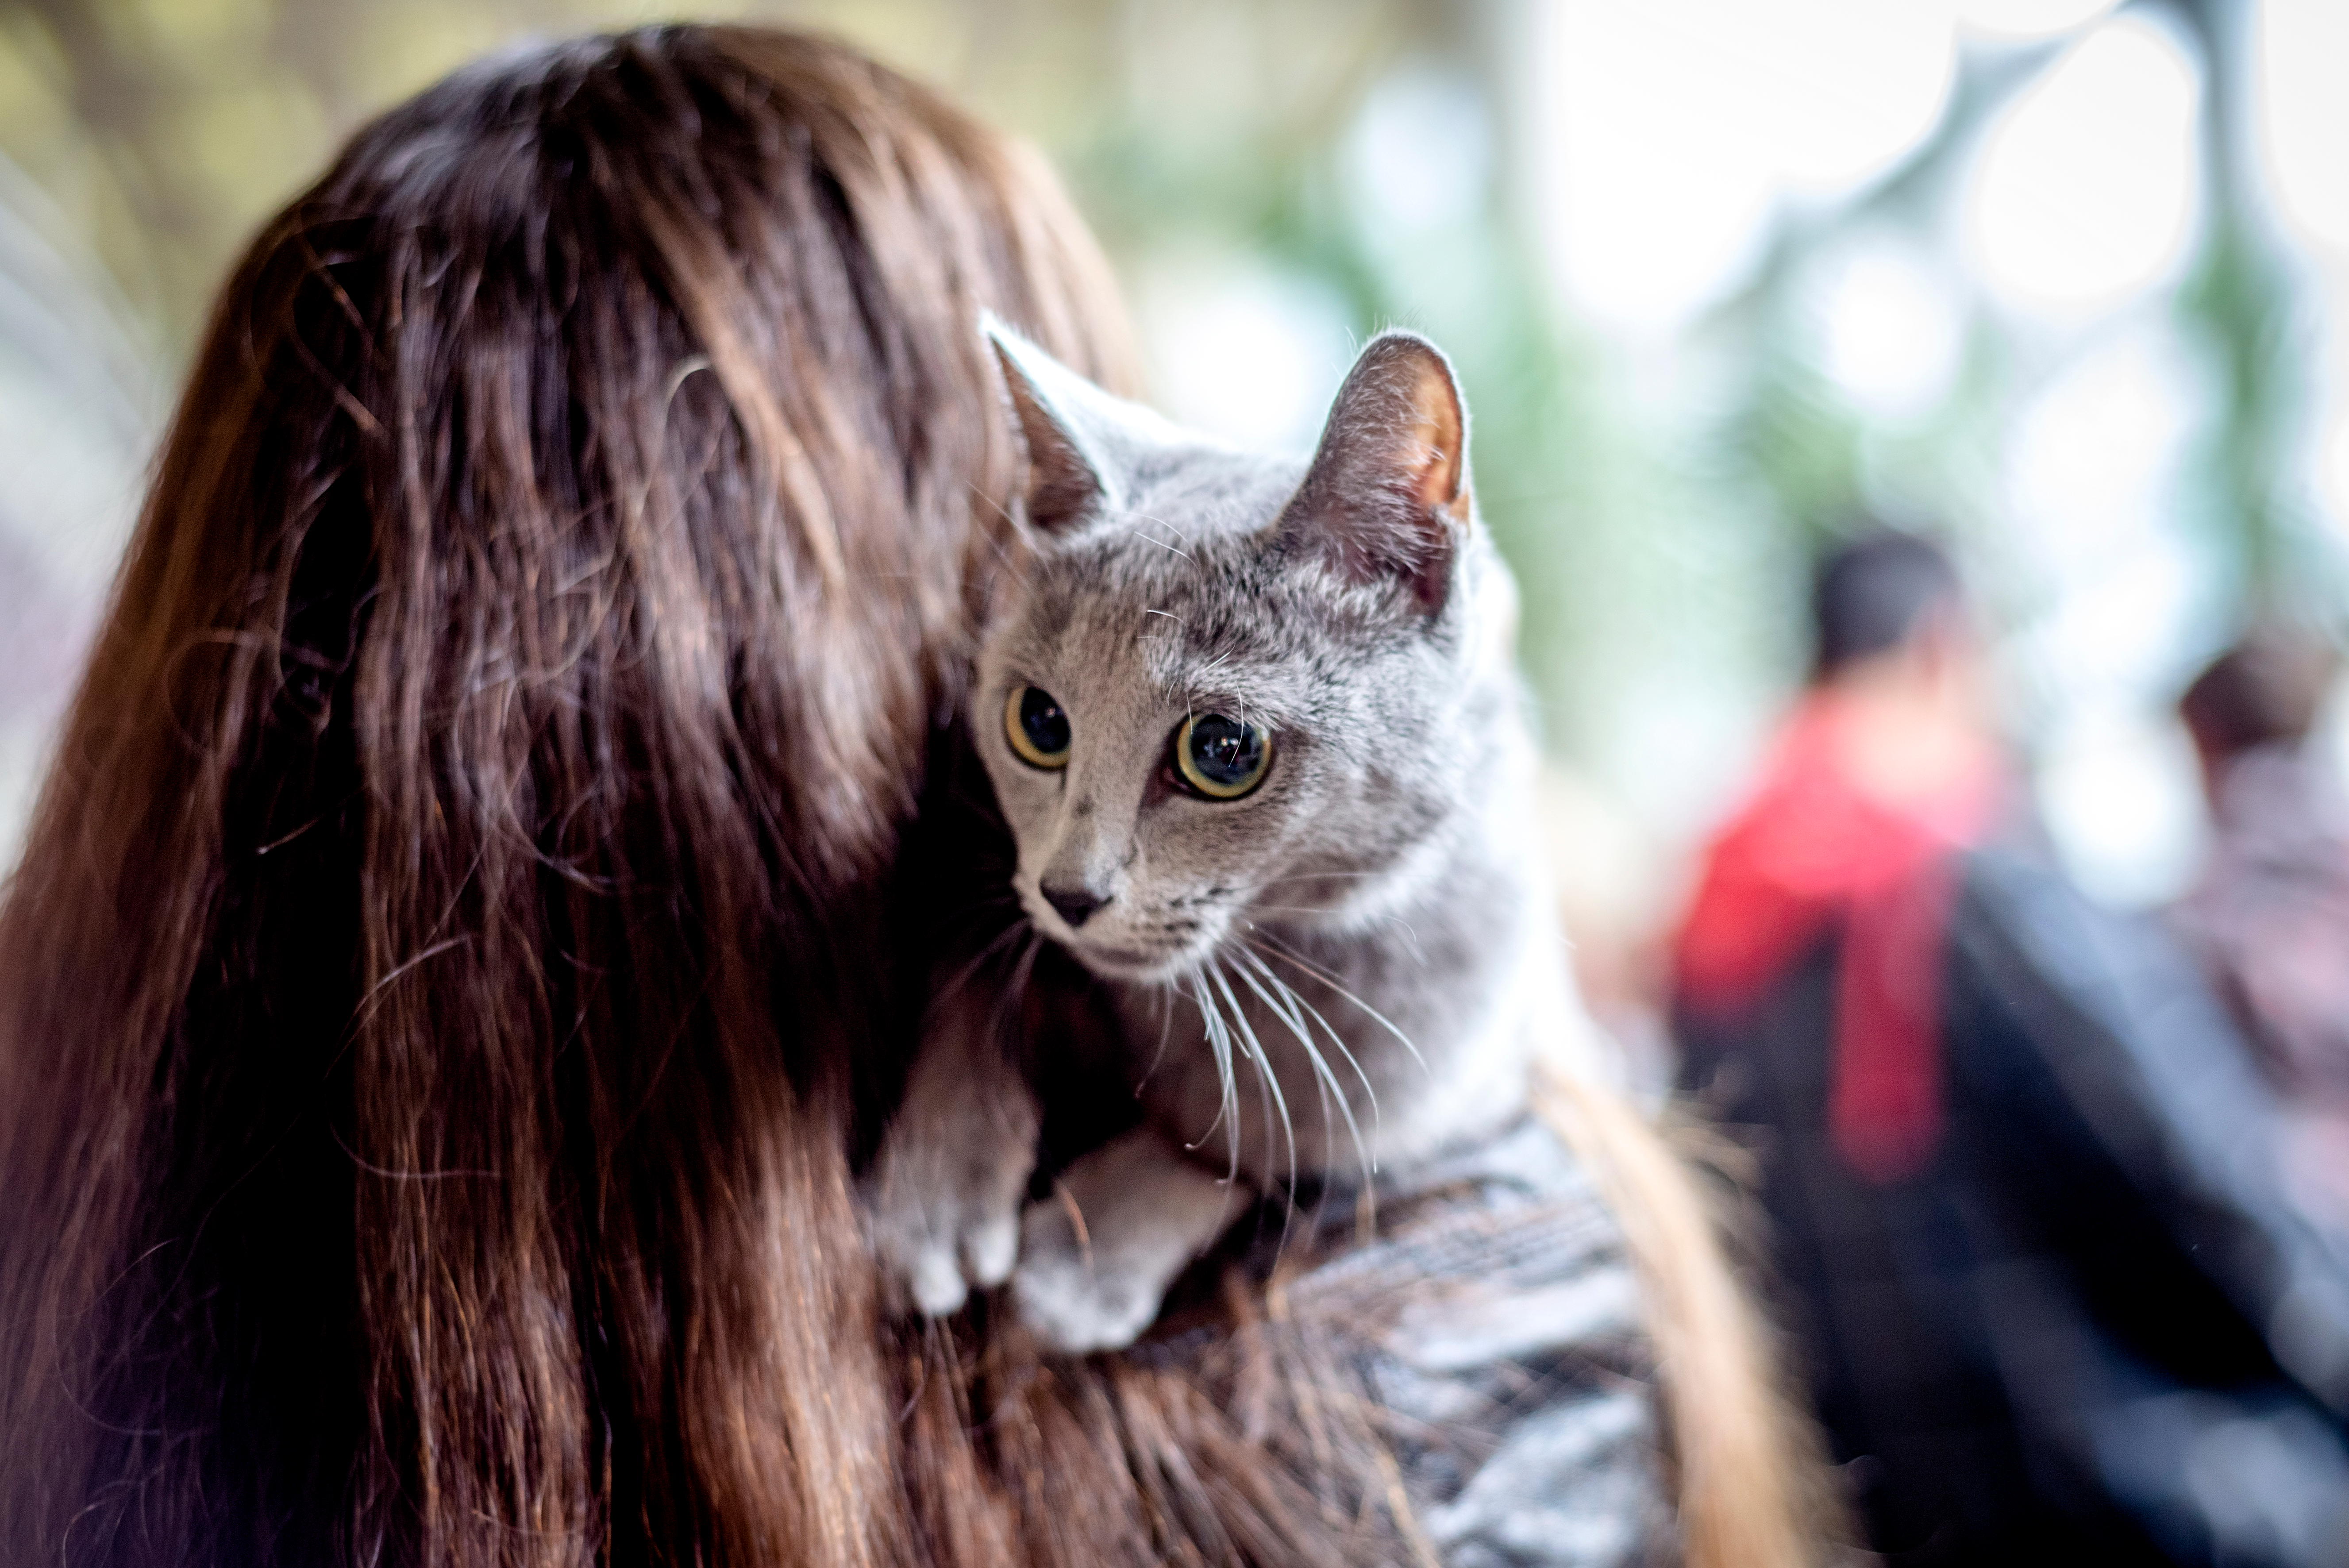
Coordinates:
1179	533
1219	1041
1001	940
1202	680
1285	1006
1397	921
1282	950
1269	1089
1166	995
1335	1038
1370	1091
1165	546
995	541
1023	967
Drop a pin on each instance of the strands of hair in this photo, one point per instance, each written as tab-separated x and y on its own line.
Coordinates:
452	955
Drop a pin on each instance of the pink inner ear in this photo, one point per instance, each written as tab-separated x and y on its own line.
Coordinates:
1386	499
1436	431
1436	483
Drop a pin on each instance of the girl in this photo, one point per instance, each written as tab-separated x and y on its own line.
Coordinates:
457	960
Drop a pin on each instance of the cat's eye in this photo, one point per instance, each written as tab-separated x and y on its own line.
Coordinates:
1220	757
1038	729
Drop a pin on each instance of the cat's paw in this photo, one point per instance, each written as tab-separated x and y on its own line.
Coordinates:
1071	1303
942	1205
1097	1256
934	1251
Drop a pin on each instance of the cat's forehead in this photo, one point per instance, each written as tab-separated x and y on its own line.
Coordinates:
1171	605
1137	593
1200	491
1191	531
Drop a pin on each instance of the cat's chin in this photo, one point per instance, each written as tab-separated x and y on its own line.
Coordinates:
1133	966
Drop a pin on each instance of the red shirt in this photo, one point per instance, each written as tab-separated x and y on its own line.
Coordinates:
1815	848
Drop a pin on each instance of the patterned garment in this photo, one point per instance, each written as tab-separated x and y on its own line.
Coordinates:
2271	917
2269	920
1503	1343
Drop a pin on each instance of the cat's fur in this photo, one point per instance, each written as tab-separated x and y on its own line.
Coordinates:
1349	968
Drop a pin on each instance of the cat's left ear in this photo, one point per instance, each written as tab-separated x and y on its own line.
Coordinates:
1387	497
1057	410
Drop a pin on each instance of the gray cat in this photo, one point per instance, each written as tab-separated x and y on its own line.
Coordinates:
1256	728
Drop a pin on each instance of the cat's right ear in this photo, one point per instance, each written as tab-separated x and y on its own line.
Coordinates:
1064	468
1386	500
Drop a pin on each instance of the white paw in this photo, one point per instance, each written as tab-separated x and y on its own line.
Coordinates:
942	1205
937	1239
1097	1256
990	1247
1074	1301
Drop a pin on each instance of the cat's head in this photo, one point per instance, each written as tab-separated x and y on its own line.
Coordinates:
1235	691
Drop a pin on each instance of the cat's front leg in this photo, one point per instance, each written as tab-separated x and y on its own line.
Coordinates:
943	1200
1097	1256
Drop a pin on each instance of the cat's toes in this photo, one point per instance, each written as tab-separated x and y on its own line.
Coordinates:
1073	1313
937	1244
944	1216
917	1274
1068	1303
989	1248
931	1258
935	1282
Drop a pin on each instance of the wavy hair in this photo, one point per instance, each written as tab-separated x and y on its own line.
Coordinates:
460	927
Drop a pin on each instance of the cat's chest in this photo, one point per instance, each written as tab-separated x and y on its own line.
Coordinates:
1336	1060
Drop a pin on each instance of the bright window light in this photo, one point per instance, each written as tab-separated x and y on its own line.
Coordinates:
1419	156
2088	186
1890	328
1245	351
2332	469
1853	84
1668	130
2026	20
2302	52
2118	793
2092	456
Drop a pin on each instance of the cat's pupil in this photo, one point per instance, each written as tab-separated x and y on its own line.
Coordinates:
1224	750
1041	721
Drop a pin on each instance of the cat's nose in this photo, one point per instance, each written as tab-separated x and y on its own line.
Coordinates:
1074	905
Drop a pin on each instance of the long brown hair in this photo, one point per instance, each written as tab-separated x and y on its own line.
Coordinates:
434	997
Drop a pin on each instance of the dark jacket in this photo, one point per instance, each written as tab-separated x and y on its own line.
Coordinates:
2090	1329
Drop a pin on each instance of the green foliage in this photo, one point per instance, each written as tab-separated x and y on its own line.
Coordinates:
1659	507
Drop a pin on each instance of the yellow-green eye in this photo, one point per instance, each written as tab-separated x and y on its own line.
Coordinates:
1037	728
1221	758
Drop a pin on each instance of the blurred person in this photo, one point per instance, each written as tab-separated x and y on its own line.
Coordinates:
2268	916
461	945
1887	763
2022	1208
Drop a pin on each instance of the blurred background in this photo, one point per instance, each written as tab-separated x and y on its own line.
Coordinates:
2062	283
